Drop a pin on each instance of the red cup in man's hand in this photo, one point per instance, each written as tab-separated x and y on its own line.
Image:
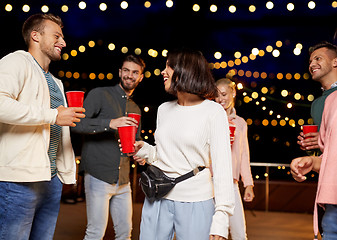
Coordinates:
75	98
309	128
135	116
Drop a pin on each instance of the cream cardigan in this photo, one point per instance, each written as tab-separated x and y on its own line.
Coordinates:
25	118
240	151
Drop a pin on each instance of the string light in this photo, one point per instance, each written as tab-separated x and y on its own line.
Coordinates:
196	8
82	5
111	46
124	5
169	4
270	5
276	53
311	5
64	8
290	7
8	7
45	8
25	8
103	7
232	9
213	8
217	55
252	8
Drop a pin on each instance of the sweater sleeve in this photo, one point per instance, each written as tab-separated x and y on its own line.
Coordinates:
245	170
220	152
149	152
13	74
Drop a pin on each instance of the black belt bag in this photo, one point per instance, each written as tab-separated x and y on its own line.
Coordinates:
155	184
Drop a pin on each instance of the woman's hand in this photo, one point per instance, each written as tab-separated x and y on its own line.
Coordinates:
249	194
139	160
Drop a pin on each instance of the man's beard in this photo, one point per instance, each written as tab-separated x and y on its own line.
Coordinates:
129	87
51	54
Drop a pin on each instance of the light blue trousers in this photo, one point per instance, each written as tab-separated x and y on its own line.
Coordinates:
102	197
189	220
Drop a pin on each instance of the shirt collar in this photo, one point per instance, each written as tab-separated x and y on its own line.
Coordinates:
332	86
122	92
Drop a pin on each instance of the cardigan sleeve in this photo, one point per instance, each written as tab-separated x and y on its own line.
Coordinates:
245	170
14	71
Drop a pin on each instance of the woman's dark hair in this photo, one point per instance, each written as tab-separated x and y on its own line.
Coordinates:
192	74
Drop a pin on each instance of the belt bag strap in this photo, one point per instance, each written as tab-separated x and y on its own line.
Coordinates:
189	174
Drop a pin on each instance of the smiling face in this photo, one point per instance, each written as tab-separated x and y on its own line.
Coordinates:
167	75
225	96
51	40
130	75
321	63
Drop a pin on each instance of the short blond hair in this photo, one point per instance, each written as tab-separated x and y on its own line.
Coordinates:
36	23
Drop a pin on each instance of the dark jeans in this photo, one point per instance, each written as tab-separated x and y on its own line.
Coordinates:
29	210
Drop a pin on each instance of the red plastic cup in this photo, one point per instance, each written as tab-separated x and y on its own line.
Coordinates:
135	116
309	128
232	133
127	135
75	98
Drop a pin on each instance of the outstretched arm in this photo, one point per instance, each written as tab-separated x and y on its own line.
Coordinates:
302	165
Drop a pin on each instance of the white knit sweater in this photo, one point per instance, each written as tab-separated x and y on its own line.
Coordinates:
190	136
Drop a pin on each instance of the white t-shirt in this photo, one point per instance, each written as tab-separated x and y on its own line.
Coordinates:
190	136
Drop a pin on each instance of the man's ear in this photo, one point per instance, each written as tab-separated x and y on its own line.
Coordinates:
35	36
334	62
141	77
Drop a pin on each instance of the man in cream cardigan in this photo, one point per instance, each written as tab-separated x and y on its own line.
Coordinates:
36	154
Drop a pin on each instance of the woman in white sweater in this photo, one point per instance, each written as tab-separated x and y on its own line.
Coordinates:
192	131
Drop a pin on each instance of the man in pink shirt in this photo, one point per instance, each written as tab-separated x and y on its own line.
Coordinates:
323	67
326	166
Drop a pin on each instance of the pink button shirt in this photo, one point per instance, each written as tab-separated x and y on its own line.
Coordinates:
327	181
